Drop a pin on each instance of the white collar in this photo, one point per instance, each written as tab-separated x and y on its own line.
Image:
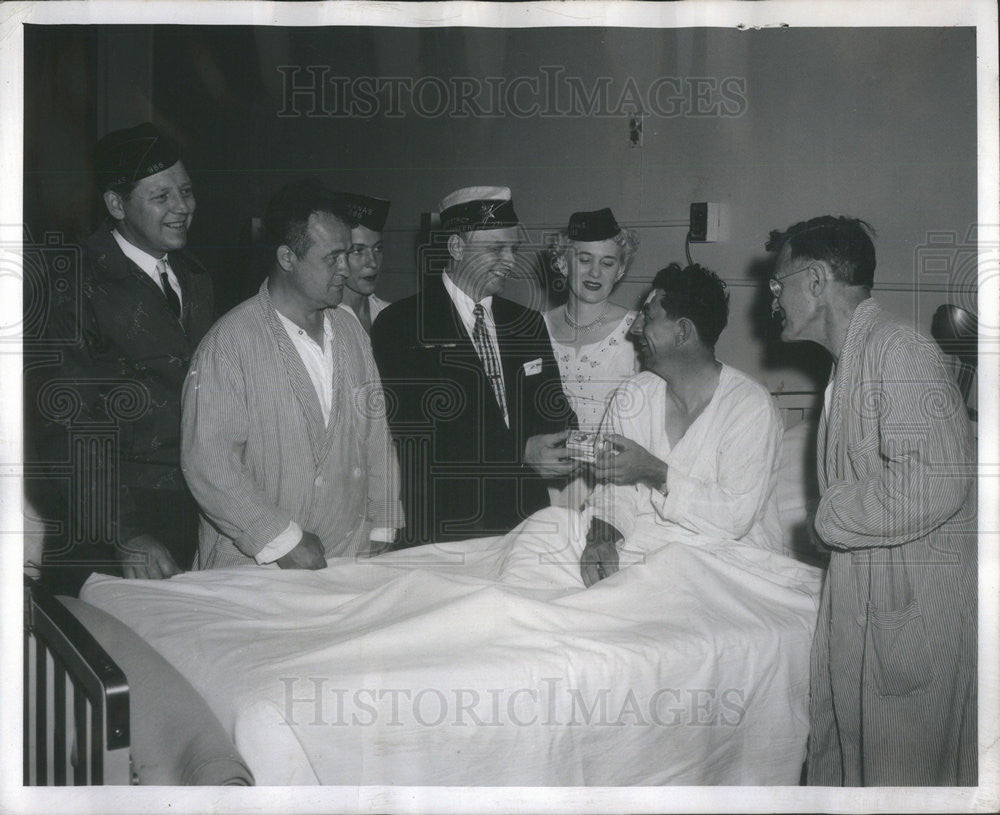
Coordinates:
461	299
143	260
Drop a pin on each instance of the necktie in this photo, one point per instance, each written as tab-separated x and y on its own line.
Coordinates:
168	291
487	353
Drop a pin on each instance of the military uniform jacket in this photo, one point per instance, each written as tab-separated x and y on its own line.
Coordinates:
118	385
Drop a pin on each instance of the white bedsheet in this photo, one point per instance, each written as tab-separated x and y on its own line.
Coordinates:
422	667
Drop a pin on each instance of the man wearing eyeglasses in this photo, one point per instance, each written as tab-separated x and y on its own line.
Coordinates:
364	259
474	397
893	684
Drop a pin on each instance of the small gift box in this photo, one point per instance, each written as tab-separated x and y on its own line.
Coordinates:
584	446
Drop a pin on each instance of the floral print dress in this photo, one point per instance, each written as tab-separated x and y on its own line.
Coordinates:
591	373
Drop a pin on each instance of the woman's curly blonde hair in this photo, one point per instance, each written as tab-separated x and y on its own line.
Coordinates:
627	239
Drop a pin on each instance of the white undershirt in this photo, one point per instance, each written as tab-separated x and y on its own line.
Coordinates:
147	263
318	363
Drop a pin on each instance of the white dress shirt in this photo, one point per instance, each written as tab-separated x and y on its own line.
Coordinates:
147	263
465	306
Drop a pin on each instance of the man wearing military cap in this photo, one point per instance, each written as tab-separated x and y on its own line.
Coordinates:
142	307
367	215
473	391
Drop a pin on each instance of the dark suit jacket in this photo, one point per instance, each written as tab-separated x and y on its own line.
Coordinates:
107	408
462	468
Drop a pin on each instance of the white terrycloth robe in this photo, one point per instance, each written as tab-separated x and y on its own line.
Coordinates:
893	685
722	480
722	473
257	454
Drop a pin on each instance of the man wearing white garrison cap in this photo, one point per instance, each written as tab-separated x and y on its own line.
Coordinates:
475	402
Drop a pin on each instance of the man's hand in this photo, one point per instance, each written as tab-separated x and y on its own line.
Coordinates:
600	555
546	453
145	558
307	554
629	463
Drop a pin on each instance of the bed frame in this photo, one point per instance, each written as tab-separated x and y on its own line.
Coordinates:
76	700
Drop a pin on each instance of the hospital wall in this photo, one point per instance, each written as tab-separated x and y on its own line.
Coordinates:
775	125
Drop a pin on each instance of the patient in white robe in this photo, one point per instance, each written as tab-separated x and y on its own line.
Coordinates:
694	451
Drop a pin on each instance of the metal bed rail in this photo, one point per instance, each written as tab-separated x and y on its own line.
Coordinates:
76	700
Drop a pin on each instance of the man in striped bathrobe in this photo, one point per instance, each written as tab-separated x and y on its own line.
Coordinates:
285	444
893	685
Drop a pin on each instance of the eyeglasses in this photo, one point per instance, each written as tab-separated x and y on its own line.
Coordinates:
777	287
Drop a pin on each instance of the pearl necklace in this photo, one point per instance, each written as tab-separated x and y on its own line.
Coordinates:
586	326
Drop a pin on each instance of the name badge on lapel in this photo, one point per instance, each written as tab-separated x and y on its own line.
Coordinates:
533	367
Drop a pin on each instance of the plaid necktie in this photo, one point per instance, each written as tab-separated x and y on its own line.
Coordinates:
168	291
488	355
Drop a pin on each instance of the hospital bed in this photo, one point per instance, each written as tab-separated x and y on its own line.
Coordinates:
92	719
423	667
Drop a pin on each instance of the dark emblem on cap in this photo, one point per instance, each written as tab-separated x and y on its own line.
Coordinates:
487	212
482	214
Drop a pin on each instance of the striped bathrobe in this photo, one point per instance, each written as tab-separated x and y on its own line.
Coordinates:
893	685
257	454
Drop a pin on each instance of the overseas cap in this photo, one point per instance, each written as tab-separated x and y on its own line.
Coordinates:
478	208
599	225
363	209
127	156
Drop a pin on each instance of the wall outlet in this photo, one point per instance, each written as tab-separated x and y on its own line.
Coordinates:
703	226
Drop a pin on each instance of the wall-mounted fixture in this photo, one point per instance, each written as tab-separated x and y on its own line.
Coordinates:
704	223
635	130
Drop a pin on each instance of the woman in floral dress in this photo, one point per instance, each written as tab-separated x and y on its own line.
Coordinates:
590	333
